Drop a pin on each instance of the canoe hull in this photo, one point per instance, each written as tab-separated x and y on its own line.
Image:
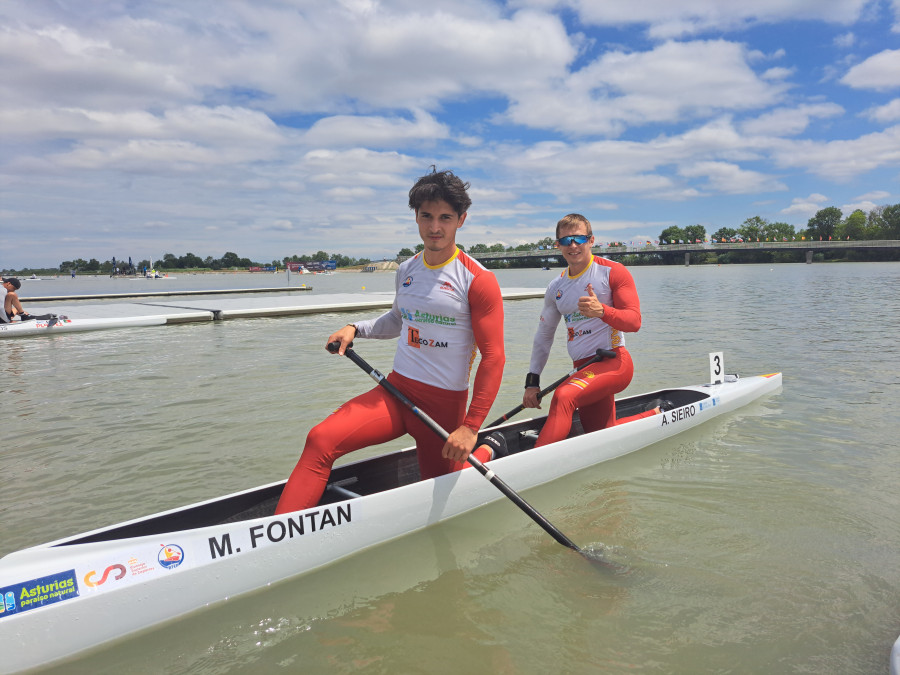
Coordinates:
66	325
86	581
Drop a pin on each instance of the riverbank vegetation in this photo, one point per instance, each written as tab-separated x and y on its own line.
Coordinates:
881	223
828	224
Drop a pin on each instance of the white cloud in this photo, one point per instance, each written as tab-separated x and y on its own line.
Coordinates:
805	206
672	82
790	121
879	72
879	195
845	41
667	19
777	73
865	206
372	131
61	64
728	178
889	112
841	159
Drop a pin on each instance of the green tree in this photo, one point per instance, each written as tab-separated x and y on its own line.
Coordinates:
824	223
853	227
782	231
753	229
190	260
694	234
478	248
890	216
230	259
405	253
726	233
672	235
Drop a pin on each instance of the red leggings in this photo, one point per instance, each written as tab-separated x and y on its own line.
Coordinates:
592	392
372	418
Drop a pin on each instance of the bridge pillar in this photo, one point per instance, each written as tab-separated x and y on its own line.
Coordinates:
809	257
687	259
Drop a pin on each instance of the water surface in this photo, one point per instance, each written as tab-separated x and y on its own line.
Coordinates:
764	541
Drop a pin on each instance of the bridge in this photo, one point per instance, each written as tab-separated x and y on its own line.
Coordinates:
540	256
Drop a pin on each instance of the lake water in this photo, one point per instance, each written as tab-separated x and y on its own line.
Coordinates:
763	542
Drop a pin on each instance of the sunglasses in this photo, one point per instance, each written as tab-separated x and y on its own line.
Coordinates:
574	238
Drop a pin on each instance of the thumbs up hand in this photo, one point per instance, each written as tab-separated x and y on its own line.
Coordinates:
590	305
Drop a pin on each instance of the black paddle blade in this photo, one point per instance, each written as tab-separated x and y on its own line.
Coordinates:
601	557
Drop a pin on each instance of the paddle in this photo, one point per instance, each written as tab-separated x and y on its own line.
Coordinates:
494	479
599	356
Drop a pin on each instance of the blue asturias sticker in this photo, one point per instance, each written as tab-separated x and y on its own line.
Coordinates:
40	592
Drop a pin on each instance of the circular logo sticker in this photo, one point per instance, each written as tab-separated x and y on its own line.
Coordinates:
170	556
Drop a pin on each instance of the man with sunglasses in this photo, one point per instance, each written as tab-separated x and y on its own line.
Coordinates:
599	303
447	305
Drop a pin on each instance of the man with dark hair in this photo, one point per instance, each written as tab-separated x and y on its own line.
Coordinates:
11	304
446	306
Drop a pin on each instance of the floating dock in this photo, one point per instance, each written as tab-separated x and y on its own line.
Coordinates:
82	316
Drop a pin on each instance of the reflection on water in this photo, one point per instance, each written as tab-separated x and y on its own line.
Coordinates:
764	541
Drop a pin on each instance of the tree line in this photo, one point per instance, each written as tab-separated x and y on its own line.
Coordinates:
190	261
828	224
882	222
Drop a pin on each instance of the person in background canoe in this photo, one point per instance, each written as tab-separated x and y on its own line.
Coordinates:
446	305
599	303
11	304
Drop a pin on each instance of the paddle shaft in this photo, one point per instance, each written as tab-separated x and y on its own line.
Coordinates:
599	356
494	479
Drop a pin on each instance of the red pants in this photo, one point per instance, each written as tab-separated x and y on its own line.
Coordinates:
372	418
591	391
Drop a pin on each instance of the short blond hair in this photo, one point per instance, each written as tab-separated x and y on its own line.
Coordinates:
572	220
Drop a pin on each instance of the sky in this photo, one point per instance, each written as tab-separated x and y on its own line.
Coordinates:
270	128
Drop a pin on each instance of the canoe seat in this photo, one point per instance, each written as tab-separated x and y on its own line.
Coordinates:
342	492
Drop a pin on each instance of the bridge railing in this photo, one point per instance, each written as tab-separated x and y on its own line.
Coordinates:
718	247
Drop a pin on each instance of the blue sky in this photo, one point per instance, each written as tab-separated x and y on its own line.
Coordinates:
270	128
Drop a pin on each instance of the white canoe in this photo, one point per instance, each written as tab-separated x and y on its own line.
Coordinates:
63	324
895	658
76	593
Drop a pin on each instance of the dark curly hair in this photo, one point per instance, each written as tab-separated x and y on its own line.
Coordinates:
440	185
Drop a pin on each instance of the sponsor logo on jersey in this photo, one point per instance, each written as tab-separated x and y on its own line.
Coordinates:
413	339
572	333
407	282
574	317
427	317
558	294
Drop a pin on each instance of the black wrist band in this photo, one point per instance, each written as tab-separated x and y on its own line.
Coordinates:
532	380
355	329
